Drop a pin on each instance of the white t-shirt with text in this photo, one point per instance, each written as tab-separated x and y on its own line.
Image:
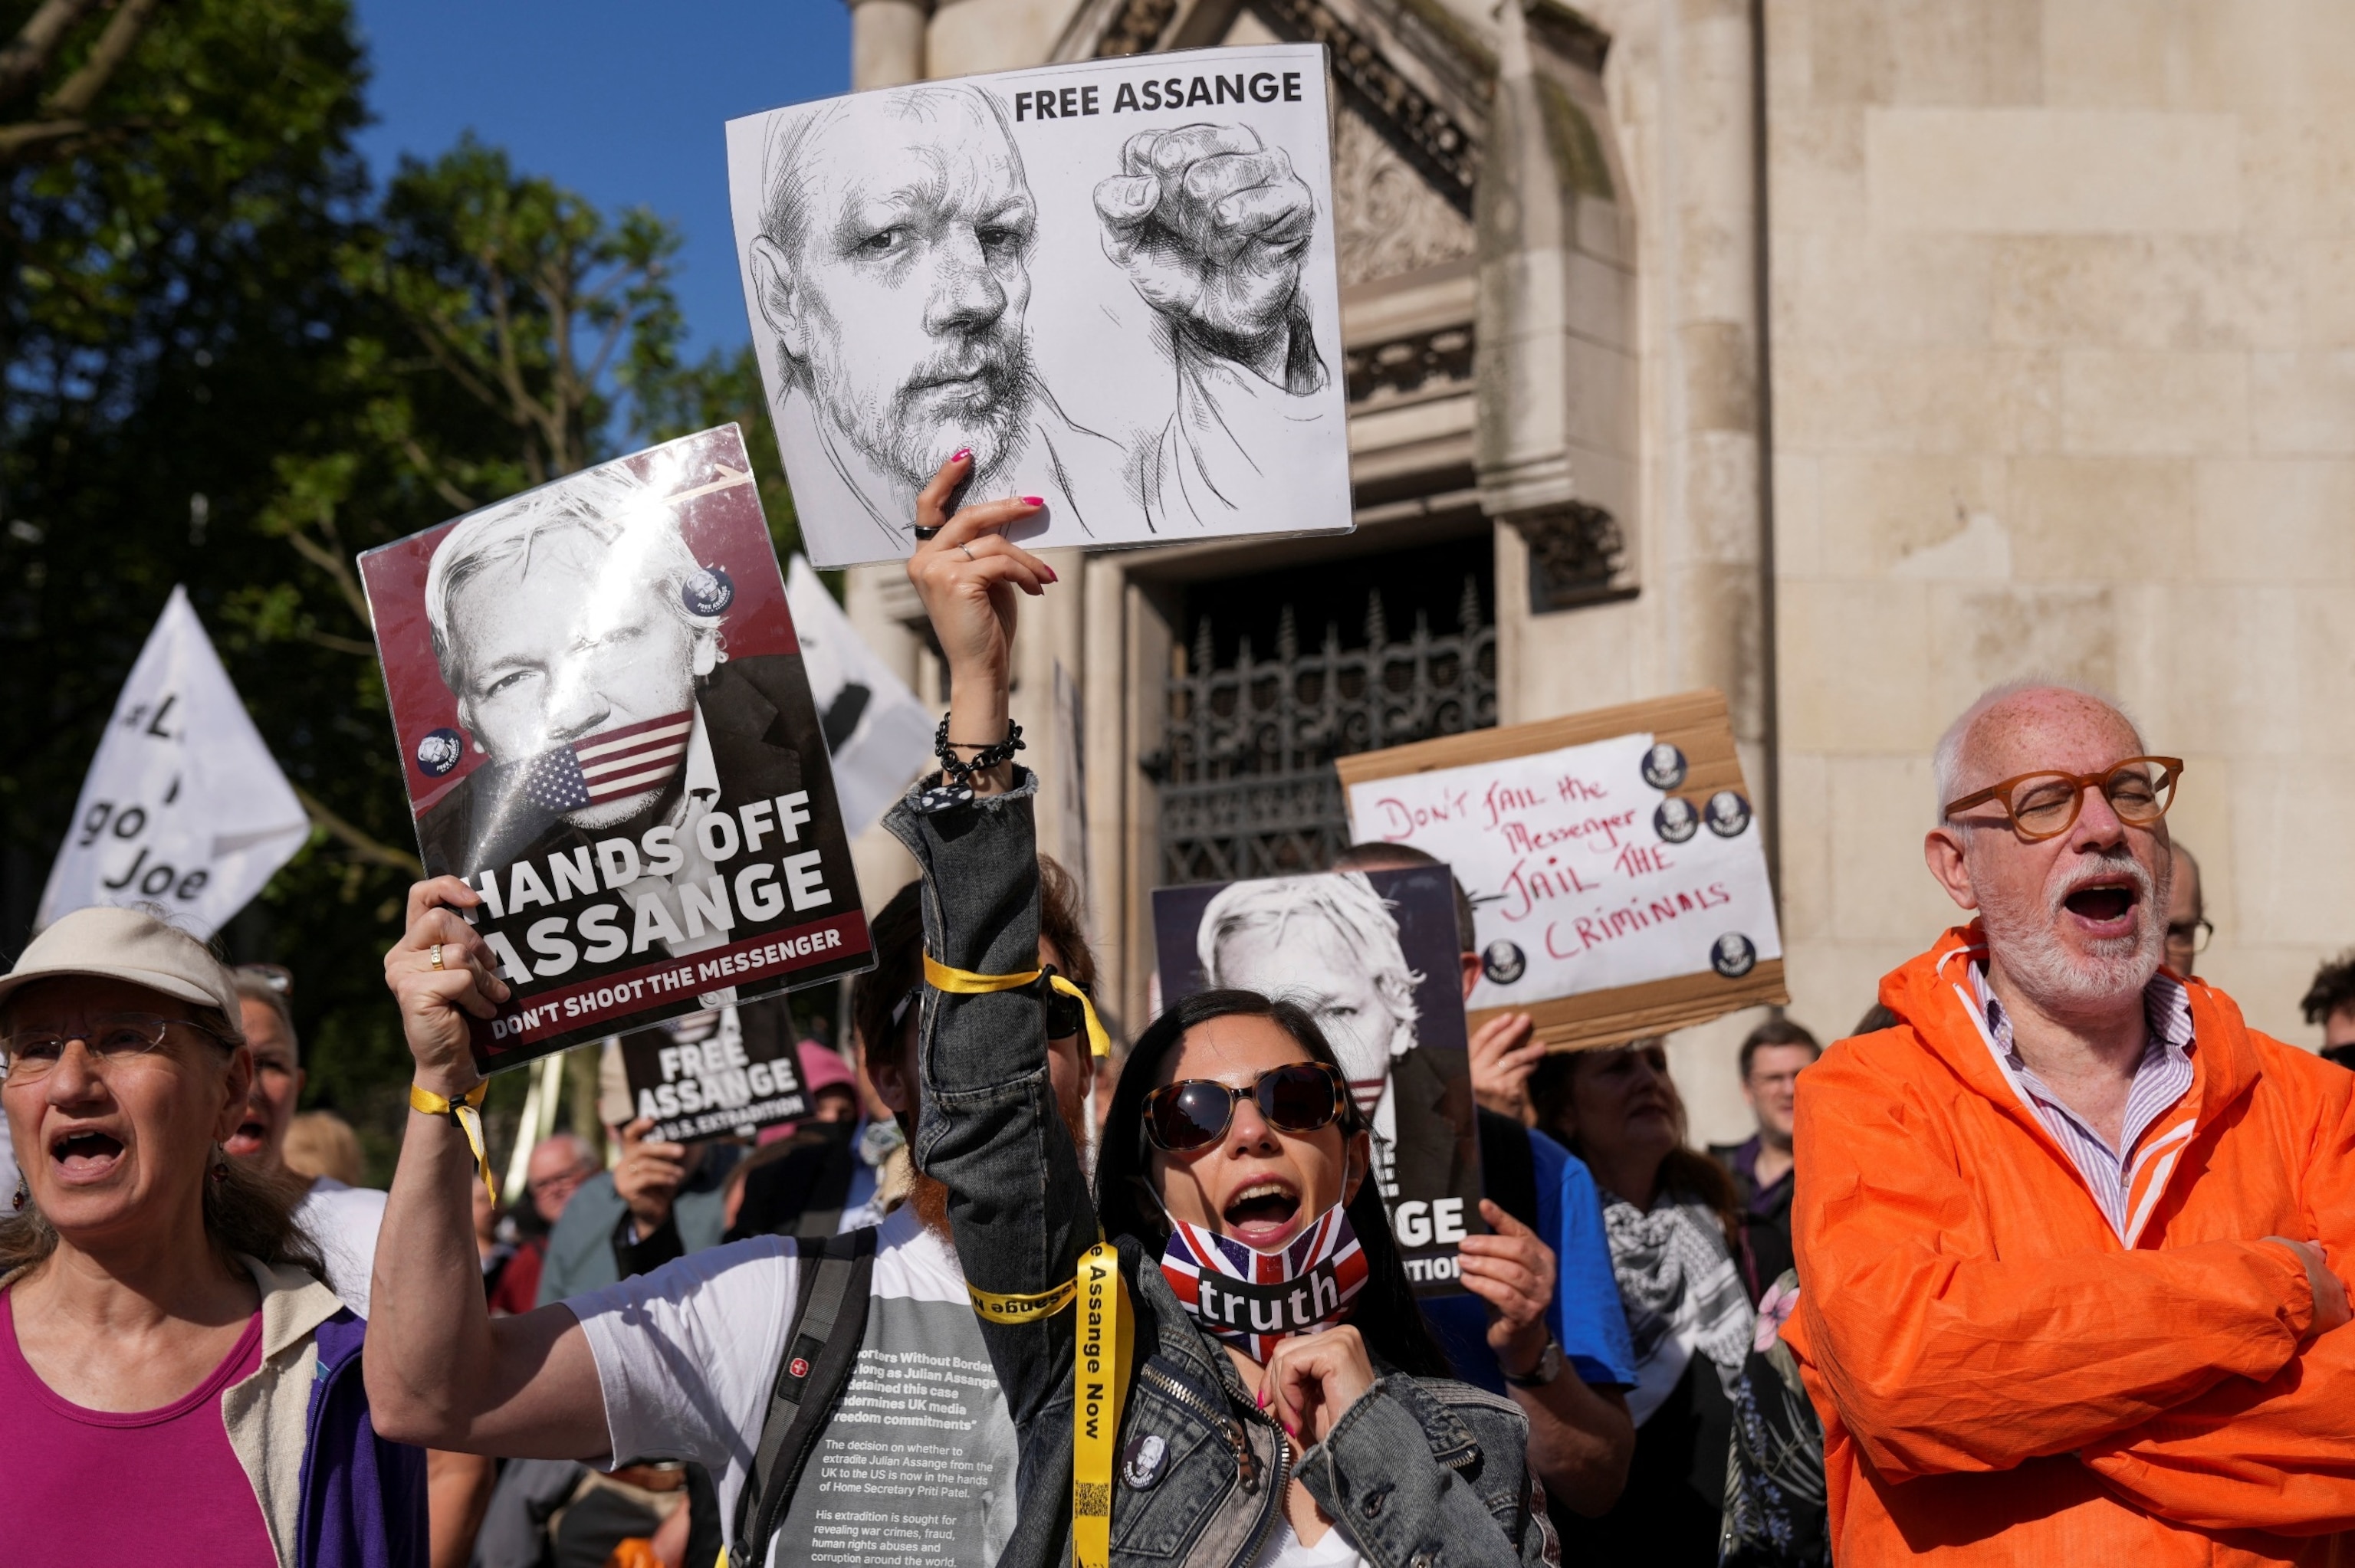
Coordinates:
917	1467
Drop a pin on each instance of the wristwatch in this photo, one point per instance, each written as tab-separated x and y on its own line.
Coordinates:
1550	1364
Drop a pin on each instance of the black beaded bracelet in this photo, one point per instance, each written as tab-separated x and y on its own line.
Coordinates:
984	757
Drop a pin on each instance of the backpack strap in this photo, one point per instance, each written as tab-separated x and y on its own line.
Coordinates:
821	1347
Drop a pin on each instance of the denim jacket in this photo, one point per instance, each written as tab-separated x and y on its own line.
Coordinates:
1418	1472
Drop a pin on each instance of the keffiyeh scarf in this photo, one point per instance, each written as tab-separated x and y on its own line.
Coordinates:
1681	1292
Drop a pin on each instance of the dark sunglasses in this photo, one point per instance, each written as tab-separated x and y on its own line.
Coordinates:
1195	1113
1065	1016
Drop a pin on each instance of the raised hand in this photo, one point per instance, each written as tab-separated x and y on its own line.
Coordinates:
1503	1053
1513	1272
435	999
1213	228
967	575
647	1176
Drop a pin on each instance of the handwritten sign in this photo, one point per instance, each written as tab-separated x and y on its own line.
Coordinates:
1618	880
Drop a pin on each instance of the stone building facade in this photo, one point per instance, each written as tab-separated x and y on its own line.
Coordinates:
1845	355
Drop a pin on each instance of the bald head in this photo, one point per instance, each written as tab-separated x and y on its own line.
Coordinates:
2023	719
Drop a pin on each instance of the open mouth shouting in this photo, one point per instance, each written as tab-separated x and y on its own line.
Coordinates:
252	1135
2104	906
84	1155
1262	1212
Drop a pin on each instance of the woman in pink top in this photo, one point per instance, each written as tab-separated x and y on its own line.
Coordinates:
176	1383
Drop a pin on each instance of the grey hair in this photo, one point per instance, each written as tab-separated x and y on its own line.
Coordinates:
1946	762
785	162
1345	900
251	987
611	504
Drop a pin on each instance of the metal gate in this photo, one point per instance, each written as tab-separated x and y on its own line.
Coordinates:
1245	769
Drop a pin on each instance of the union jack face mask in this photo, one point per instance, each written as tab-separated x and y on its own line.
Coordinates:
612	765
1252	1299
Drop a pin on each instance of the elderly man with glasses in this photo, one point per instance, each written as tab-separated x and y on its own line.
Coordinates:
2073	1233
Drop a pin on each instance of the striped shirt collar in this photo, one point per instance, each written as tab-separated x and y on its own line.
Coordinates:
2161	1079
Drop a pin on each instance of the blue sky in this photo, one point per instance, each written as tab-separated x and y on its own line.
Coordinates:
623	102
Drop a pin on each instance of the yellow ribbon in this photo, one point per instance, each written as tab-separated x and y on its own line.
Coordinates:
467	1112
965	982
1098	1383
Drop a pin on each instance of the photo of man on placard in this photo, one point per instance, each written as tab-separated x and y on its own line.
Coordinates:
1337	944
608	733
582	639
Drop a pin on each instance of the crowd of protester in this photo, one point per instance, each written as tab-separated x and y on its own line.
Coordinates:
2042	1262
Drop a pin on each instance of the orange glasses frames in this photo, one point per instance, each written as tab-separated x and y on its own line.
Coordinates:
2045	805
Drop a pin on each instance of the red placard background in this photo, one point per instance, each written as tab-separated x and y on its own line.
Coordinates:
724	527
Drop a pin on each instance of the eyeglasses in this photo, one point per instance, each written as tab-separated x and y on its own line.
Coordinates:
2191	936
1195	1113
1065	1016
2045	805
29	1053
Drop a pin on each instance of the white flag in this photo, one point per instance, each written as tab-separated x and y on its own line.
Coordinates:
184	808
879	735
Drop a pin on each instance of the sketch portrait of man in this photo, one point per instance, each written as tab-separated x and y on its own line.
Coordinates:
893	269
1331	943
582	640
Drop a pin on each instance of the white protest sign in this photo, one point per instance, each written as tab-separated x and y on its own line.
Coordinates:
184	808
1587	872
880	736
1114	282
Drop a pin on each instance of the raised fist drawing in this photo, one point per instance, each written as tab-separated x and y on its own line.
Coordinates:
1212	228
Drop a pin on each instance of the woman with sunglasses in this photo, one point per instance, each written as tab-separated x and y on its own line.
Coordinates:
1282	1404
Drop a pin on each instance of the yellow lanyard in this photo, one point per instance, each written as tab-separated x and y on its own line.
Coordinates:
965	982
1100	1364
1098	1383
467	1112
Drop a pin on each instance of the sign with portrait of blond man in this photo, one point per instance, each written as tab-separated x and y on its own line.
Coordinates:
1372	956
607	731
1111	281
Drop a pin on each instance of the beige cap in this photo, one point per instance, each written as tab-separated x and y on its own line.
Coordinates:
129	945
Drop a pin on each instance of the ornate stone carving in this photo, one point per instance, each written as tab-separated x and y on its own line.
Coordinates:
1407	365
1390	220
1135	27
1576	555
1429	137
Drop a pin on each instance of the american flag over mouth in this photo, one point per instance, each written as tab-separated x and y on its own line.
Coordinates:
611	765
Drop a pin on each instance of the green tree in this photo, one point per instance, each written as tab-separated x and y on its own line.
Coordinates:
230	364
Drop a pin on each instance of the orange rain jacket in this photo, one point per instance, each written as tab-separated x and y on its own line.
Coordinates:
2001	1381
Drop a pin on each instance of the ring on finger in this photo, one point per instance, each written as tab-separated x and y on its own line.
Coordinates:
968	552
925	535
437	955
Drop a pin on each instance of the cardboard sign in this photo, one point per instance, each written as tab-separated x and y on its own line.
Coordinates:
1111	281
1372	955
1613	861
720	1074
607	731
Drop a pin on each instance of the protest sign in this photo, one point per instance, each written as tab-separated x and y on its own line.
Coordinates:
1613	859
879	737
1111	281
183	809
715	1073
607	731
1372	955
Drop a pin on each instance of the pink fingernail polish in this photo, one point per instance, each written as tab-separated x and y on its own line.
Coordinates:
960	454
1034	501
1051	575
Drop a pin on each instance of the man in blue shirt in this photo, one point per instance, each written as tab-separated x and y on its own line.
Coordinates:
1580	1433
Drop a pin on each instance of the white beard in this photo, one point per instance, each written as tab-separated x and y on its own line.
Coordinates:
2024	934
